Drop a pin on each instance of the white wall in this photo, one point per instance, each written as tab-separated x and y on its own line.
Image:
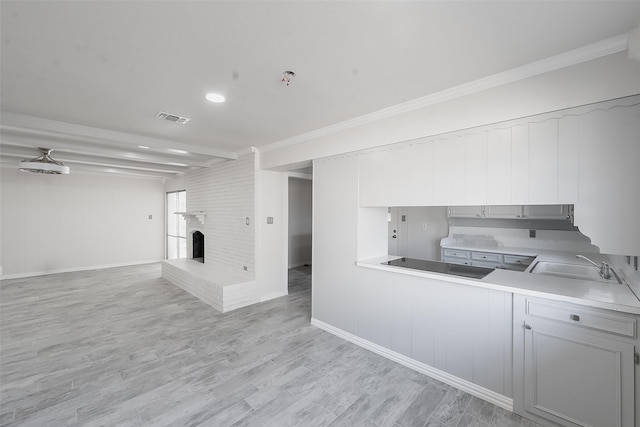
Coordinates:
271	273
54	223
175	184
424	243
300	196
601	79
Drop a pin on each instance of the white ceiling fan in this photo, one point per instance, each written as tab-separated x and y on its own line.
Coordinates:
44	164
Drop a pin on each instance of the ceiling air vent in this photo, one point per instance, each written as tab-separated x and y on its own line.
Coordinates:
172	118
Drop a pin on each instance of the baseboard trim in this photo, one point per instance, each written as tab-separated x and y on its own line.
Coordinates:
75	269
299	264
459	383
273	295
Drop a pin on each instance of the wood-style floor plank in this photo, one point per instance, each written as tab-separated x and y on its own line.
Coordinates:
122	346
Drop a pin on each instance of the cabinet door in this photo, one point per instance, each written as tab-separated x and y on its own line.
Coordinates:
465	211
543	162
576	378
546	212
373	178
503	211
520	164
398	188
569	143
499	166
422	174
443	172
475	168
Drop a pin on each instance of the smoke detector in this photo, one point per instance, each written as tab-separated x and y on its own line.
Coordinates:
172	118
44	164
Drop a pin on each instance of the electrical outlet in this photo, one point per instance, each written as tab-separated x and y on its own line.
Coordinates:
269	220
150	216
246	268
532	233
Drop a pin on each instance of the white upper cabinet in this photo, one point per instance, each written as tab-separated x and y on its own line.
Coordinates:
399	183
568	159
443	172
475	168
587	156
372	178
503	211
465	211
520	164
421	185
546	212
543	162
499	166
385	177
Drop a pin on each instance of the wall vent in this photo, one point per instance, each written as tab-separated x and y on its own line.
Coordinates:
172	118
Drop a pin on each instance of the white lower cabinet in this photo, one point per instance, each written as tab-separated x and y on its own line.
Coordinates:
486	259
574	365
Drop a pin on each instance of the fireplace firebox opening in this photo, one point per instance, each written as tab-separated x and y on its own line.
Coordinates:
198	246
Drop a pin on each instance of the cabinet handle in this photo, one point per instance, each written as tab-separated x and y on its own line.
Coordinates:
526	326
575	317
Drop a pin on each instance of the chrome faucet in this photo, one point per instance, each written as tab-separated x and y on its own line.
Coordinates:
605	271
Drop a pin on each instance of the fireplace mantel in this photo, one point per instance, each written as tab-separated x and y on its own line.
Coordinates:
199	215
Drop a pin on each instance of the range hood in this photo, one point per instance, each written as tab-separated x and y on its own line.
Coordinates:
44	164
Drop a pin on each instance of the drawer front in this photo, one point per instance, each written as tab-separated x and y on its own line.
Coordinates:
487	264
518	259
601	320
486	257
454	260
456	253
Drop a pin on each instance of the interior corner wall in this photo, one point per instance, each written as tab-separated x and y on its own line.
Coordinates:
54	223
300	196
226	192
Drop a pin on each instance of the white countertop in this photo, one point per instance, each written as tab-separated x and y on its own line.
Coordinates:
594	294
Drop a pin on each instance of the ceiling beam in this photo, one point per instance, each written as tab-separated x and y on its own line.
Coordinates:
19	153
16	123
78	147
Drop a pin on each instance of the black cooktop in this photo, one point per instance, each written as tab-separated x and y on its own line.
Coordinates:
441	267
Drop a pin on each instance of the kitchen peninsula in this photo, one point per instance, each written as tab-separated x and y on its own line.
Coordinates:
512	338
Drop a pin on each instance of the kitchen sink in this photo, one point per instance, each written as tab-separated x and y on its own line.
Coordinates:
571	271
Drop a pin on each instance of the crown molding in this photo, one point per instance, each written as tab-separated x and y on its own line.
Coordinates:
15	123
573	57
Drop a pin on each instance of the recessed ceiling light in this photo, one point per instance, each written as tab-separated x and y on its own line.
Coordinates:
173	150
143	146
215	97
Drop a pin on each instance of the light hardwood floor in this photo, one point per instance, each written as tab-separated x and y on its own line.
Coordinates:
122	346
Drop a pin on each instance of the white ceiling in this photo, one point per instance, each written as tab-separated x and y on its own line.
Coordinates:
94	74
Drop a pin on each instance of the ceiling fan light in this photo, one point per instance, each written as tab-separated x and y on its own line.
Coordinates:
44	164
